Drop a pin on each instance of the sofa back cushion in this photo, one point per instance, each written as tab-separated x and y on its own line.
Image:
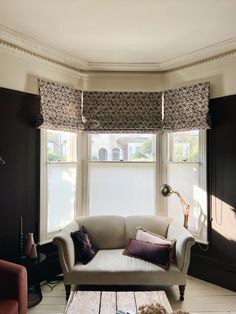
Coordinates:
155	224
105	232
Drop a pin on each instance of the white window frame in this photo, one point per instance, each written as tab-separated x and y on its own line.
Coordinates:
46	236
82	190
202	162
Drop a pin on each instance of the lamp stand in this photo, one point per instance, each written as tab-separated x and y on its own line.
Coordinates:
185	209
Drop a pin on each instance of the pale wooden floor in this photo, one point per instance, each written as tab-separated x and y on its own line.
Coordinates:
200	297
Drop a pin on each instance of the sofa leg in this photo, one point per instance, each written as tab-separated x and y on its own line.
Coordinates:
67	288
181	292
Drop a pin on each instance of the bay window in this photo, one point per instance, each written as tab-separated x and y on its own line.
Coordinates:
104	170
122	175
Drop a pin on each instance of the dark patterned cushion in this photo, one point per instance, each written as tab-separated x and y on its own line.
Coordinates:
158	254
84	250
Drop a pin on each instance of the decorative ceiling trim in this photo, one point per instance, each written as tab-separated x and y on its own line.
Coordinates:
112	66
207	53
38	49
22	44
19	51
193	65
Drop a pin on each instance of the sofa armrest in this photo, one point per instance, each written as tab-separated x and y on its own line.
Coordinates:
65	246
184	242
13	284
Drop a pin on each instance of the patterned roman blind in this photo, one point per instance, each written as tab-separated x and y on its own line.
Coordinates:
187	108
122	112
65	108
60	107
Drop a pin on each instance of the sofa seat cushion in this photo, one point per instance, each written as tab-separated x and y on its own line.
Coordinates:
8	307
111	267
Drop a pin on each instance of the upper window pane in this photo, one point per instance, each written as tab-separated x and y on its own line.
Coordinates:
61	146
122	147
184	146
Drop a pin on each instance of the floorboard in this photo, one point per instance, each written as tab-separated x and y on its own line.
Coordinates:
200	298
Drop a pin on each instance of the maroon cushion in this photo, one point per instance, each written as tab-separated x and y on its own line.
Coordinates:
145	235
158	254
8	307
84	250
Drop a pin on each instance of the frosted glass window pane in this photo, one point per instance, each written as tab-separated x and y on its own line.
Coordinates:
184	178
122	188
61	195
125	147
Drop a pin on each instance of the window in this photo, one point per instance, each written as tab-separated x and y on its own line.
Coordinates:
184	146
59	174
186	173
122	174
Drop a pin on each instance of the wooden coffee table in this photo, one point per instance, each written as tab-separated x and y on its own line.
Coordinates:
107	302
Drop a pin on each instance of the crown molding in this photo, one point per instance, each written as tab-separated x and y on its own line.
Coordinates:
206	54
22	44
192	66
124	67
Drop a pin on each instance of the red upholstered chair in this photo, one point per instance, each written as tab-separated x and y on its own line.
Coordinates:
13	288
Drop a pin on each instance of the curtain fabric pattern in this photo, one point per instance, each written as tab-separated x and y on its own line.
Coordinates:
60	107
122	112
65	108
187	108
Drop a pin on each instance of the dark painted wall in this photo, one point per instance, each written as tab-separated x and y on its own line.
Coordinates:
218	263
19	177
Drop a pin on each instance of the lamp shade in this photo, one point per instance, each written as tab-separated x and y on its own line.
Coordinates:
166	190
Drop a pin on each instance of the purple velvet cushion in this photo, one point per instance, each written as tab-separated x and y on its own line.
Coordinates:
158	254
145	235
84	250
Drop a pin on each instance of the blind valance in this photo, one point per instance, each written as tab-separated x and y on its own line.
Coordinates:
60	107
187	108
115	112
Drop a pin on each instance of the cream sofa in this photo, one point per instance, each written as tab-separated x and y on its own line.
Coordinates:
110	235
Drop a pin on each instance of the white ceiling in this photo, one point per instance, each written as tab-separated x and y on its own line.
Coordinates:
123	34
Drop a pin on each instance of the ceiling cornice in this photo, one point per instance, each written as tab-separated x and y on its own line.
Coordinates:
23	44
125	67
195	57
191	66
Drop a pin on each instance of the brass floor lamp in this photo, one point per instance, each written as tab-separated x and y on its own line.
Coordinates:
166	190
